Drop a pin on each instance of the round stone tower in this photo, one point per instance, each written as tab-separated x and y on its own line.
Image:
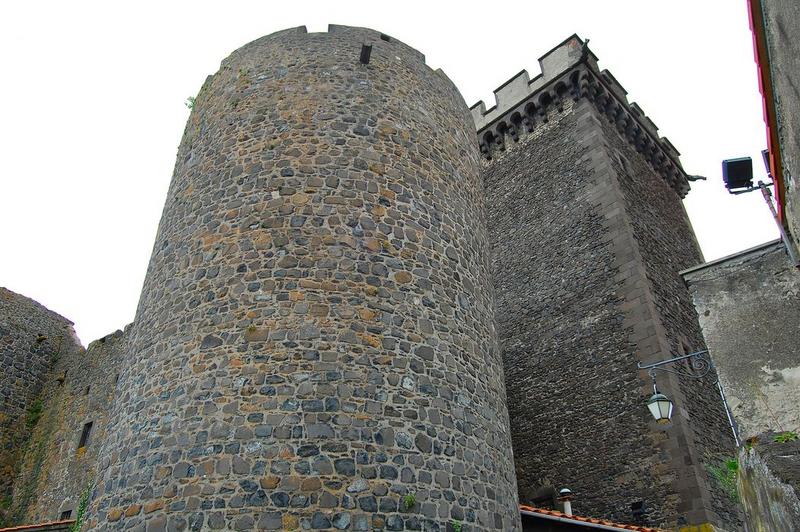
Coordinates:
314	345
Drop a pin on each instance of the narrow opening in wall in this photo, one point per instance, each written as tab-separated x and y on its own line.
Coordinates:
385	37
116	378
638	509
87	431
366	51
86	391
66	514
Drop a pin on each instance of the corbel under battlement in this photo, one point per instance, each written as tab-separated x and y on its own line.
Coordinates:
570	70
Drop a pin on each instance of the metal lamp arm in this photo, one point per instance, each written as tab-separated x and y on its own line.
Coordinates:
700	363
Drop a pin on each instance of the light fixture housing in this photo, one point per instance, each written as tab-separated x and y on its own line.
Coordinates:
661	407
737	173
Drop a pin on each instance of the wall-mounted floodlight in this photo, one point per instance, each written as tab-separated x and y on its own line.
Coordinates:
738	174
738	177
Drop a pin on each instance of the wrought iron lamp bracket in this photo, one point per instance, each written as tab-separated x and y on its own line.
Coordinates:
700	365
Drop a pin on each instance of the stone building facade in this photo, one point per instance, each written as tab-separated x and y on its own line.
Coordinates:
748	306
346	286
31	338
588	236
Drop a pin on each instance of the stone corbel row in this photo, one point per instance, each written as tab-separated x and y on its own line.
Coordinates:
658	152
577	84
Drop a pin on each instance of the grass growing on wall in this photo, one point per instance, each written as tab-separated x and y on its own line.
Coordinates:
726	474
785	436
32	468
22	438
83	504
34	414
28	479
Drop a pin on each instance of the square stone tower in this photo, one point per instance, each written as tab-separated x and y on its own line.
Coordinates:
588	234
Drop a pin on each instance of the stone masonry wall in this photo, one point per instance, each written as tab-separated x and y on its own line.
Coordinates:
576	404
587	244
667	245
57	471
314	345
32	338
748	306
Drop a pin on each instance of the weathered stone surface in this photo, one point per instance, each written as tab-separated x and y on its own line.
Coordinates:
749	308
782	456
37	346
32	339
767	483
318	300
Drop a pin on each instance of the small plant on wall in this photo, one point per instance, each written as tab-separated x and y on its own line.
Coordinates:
785	437
409	501
726	475
83	504
34	414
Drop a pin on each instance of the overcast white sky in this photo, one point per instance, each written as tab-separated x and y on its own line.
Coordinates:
92	112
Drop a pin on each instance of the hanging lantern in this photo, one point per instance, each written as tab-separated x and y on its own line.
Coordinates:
661	407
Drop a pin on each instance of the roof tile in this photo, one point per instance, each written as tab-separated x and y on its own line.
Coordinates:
592	520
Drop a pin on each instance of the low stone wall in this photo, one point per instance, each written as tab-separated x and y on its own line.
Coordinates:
770	503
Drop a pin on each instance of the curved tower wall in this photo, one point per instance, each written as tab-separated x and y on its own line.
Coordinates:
315	339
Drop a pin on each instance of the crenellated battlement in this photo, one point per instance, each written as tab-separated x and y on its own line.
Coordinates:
553	65
570	70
